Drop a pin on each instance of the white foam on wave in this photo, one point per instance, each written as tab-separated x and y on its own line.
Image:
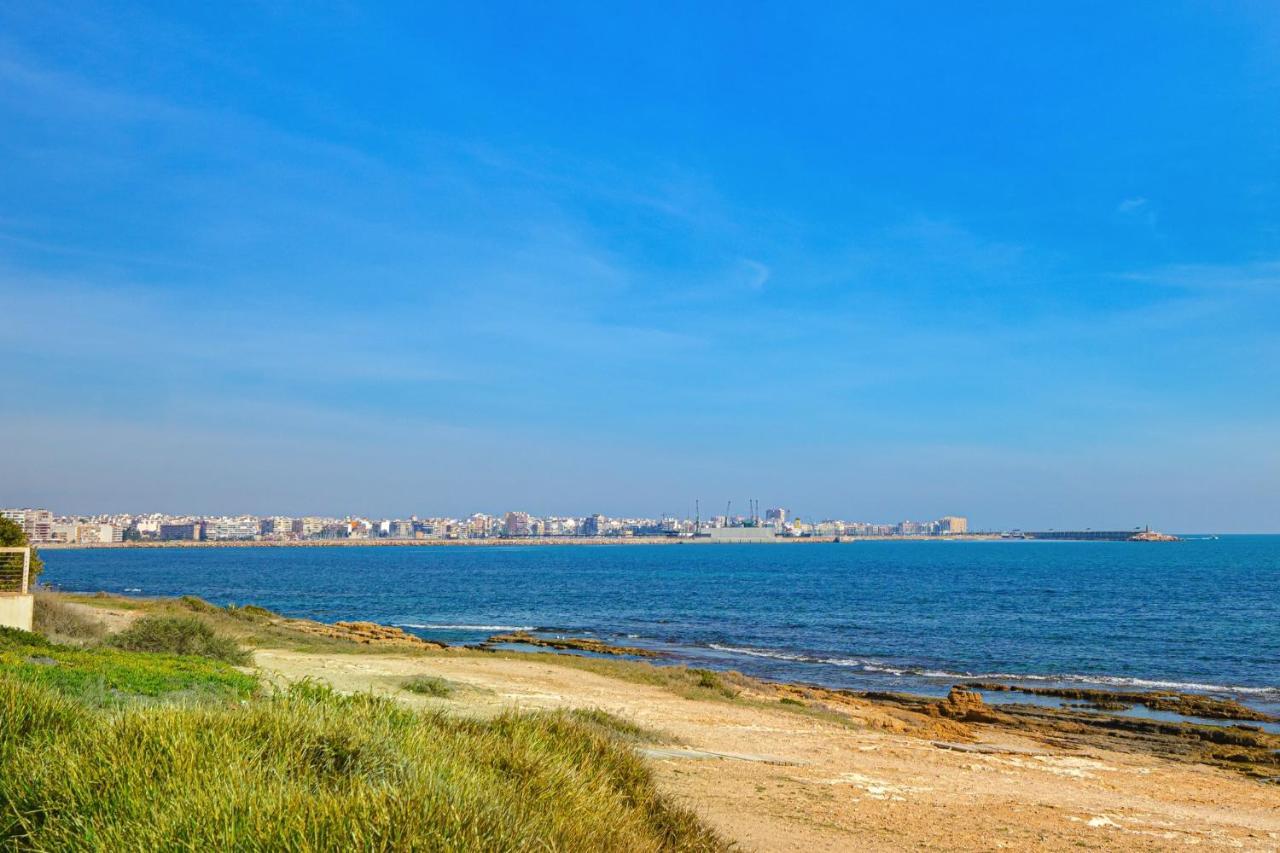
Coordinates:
1109	680
799	658
464	627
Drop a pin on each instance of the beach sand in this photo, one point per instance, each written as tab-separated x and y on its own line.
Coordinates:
775	777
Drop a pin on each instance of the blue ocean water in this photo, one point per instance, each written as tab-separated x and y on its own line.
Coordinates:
1201	615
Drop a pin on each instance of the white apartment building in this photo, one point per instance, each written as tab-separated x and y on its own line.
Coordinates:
309	527
230	529
95	533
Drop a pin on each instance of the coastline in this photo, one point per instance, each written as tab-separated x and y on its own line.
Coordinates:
787	766
1101	713
513	542
863	632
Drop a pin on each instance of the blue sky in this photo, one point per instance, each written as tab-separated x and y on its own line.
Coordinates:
876	262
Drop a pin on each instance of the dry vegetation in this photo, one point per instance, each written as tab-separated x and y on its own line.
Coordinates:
152	739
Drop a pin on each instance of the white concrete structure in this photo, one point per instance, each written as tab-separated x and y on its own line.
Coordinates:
17	611
17	605
742	534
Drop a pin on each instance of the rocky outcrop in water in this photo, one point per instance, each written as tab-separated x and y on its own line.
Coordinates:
574	644
365	633
1243	748
967	706
1186	704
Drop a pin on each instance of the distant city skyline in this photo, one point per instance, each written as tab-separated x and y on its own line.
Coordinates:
44	526
1023	261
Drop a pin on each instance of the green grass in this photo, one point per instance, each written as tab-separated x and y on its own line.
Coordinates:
106	599
308	769
182	635
106	676
249	625
96	754
428	685
617	727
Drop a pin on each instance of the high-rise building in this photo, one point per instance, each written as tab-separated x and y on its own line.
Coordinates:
776	516
277	526
517	524
951	525
594	525
36	523
185	531
309	527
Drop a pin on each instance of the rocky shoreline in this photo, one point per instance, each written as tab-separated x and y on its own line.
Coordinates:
1083	721
1184	704
1244	748
574	644
1239	747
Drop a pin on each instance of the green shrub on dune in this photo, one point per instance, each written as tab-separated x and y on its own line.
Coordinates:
309	769
428	685
180	635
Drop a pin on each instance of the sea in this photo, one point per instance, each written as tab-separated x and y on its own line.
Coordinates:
1198	615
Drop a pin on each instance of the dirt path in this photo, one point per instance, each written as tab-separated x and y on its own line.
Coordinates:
774	779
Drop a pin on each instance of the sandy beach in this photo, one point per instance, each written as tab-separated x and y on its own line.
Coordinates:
774	779
784	767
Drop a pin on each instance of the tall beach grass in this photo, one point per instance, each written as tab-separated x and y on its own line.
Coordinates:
306	769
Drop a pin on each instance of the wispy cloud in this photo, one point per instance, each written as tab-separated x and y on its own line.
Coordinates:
1137	209
1132	205
1257	277
757	274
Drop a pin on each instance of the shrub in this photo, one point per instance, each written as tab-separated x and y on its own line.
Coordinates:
179	635
16	638
250	613
55	618
199	605
428	685
711	681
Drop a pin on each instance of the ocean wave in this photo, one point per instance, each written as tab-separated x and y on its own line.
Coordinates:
1077	678
869	666
423	627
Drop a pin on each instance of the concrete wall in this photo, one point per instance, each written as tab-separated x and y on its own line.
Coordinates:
742	534
16	611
